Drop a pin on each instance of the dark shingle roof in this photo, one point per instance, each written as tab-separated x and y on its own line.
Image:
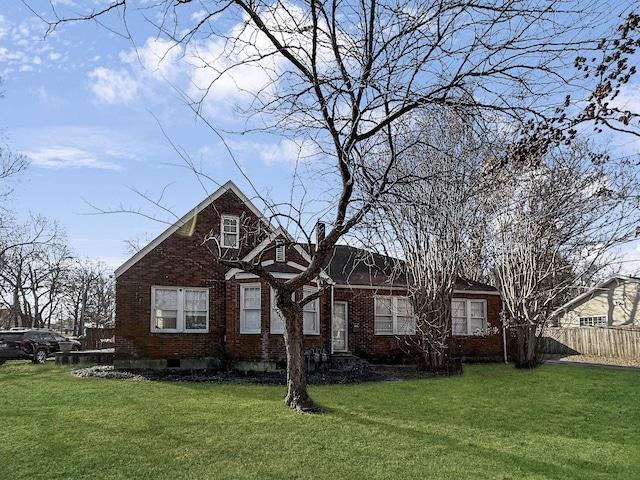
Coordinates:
471	286
348	265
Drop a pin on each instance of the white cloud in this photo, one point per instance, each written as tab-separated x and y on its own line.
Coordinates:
4	28
285	151
81	147
629	98
158	58
113	86
68	157
212	71
8	55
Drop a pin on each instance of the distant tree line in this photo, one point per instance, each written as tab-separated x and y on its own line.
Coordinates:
42	282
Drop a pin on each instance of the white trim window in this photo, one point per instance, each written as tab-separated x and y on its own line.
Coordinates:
393	316
311	313
468	317
230	231
250	308
277	320
595	321
179	310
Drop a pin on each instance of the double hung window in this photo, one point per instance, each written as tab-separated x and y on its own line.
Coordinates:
277	320
394	316
250	308
230	231
178	309
468	316
311	314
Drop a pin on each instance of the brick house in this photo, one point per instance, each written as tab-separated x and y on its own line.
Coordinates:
176	306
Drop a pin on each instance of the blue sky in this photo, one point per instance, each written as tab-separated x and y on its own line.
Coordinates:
94	124
93	115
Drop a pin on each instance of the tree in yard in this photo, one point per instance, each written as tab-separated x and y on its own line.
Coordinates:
552	227
433	223
339	78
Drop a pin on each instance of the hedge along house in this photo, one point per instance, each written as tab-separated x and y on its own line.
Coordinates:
176	306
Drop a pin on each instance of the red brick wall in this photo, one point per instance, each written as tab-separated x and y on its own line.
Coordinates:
182	261
482	348
266	346
364	343
361	335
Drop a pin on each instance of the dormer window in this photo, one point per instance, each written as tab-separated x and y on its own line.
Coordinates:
230	231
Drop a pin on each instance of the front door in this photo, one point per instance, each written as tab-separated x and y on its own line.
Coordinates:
339	327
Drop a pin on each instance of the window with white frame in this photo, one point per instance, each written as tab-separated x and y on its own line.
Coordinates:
178	309
277	320
311	313
595	321
393	316
468	316
250	308
230	231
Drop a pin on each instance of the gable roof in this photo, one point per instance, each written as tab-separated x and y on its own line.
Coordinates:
187	220
286	267
345	265
604	285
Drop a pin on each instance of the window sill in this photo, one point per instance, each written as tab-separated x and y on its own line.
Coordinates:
187	332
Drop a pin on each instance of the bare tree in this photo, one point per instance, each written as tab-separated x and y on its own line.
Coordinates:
103	300
342	75
31	271
433	223
89	295
553	226
136	243
45	274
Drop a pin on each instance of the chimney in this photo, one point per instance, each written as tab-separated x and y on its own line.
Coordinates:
320	231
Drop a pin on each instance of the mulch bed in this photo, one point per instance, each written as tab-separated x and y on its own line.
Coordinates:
360	374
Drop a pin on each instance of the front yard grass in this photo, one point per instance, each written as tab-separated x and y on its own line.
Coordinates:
557	422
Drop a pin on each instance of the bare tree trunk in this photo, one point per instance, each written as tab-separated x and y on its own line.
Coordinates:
15	309
527	347
297	397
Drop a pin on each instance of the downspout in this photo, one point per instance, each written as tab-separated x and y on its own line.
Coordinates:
331	326
504	343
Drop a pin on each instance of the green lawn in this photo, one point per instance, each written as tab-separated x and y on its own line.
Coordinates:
557	422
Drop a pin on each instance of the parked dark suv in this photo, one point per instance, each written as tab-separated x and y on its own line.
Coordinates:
34	345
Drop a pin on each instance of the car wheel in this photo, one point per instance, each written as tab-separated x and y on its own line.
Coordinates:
40	356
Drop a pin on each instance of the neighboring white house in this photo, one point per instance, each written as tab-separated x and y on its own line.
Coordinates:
613	303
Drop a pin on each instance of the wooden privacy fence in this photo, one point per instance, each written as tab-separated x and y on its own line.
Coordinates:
93	337
604	342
